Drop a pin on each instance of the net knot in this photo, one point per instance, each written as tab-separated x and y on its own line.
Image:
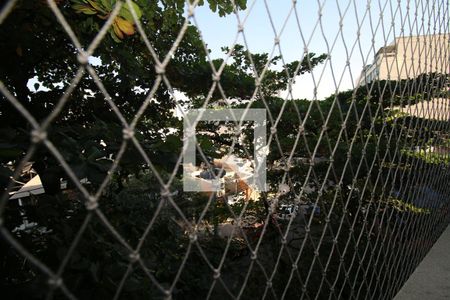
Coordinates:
128	133
238	131
216	273
37	136
215	77
167	294
190	11
159	69
55	281
193	237
83	58
134	257
165	192
92	203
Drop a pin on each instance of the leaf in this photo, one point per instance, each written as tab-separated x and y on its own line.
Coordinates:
85	9
94	153
106	4
94	175
213	6
117	31
36	86
172	144
126	13
80	170
114	36
102	165
81	2
124	26
96	6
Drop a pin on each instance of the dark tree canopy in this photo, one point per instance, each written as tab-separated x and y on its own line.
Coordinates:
41	50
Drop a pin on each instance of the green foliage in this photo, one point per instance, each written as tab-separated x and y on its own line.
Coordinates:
401	93
429	156
402	206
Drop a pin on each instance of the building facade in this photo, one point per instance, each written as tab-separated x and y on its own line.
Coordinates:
408	57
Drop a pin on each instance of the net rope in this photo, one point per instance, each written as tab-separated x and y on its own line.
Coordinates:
375	209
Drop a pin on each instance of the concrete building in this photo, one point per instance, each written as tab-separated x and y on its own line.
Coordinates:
408	57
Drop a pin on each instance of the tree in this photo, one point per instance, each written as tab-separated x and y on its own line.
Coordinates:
88	134
41	49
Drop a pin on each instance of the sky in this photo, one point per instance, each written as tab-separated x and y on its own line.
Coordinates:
334	33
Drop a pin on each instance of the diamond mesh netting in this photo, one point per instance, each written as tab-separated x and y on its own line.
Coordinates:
94	96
